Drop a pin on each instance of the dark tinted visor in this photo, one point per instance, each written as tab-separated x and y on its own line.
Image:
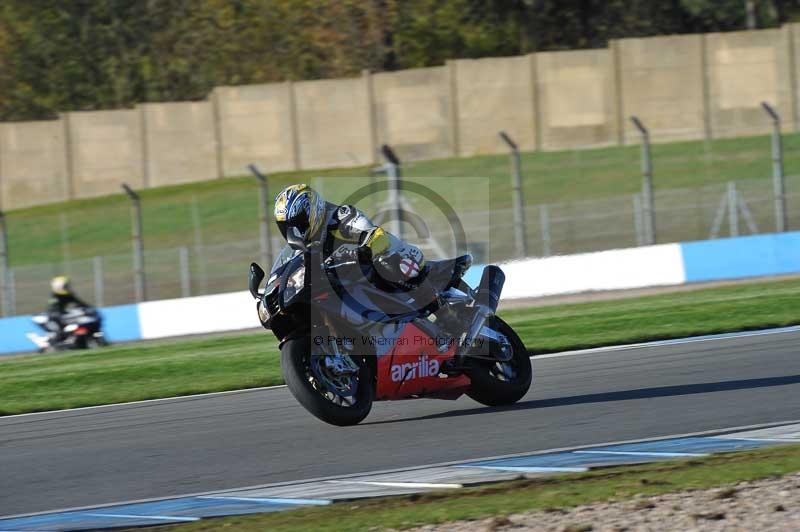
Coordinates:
300	222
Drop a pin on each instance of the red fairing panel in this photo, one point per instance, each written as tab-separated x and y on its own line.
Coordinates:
412	367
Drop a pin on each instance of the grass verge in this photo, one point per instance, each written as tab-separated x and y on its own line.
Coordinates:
181	367
521	496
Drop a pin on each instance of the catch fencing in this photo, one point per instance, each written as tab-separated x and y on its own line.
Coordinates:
736	208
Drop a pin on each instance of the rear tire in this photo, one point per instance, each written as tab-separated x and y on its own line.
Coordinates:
295	365
486	388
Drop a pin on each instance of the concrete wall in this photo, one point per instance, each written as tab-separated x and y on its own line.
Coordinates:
682	87
662	83
493	95
744	69
180	143
104	150
414	112
576	98
33	164
333	123
256	125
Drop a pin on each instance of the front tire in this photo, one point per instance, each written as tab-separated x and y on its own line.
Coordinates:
307	388
497	383
97	341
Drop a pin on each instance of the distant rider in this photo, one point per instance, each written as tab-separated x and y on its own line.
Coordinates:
300	209
62	301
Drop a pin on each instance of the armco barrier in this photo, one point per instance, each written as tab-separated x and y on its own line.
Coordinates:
667	264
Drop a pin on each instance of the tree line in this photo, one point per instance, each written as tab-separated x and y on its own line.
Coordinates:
60	55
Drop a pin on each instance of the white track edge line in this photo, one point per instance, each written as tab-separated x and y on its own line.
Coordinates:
398	484
610	349
156	517
269	500
643	453
673	341
176	399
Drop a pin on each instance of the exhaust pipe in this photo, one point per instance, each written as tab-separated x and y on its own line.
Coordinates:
486	301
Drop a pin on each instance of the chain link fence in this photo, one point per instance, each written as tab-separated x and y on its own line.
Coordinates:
199	268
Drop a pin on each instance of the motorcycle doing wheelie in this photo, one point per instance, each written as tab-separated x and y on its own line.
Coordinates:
346	339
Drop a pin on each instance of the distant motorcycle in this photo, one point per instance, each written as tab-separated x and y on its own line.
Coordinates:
83	329
338	354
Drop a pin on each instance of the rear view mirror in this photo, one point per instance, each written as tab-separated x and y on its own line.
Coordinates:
256	276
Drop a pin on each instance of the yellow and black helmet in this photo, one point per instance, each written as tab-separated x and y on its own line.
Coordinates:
300	207
60	285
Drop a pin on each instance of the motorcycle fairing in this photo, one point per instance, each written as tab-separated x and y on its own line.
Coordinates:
411	368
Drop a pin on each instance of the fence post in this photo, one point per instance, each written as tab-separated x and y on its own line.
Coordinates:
12	293
5	272
199	248
733	212
99	296
544	222
266	208
520	238
648	205
138	245
66	256
186	280
395	175
777	169
637	219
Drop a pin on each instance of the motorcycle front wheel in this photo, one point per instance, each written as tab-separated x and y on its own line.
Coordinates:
497	383
335	398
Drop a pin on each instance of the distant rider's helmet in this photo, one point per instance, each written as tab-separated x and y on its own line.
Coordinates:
60	286
302	208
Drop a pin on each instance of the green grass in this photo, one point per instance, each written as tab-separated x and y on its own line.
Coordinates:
673	315
180	367
228	209
137	371
520	496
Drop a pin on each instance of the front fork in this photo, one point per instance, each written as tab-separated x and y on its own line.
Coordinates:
486	300
335	361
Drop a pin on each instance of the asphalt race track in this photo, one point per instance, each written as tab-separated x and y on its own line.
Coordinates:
174	447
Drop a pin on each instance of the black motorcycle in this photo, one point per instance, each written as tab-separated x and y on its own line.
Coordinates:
82	329
348	339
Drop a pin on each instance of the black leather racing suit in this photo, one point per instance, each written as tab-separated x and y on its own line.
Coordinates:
57	307
395	261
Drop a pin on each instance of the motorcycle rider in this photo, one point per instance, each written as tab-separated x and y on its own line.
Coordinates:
299	208
62	300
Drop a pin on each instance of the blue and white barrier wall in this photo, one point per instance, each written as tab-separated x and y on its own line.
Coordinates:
151	320
619	269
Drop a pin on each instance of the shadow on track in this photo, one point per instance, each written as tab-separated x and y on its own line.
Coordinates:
625	395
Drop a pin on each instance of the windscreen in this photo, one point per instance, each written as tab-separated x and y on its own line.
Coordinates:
286	254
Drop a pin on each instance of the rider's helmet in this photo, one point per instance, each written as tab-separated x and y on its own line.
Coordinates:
300	207
60	286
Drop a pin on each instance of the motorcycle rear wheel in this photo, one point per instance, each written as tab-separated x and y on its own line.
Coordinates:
501	383
306	387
